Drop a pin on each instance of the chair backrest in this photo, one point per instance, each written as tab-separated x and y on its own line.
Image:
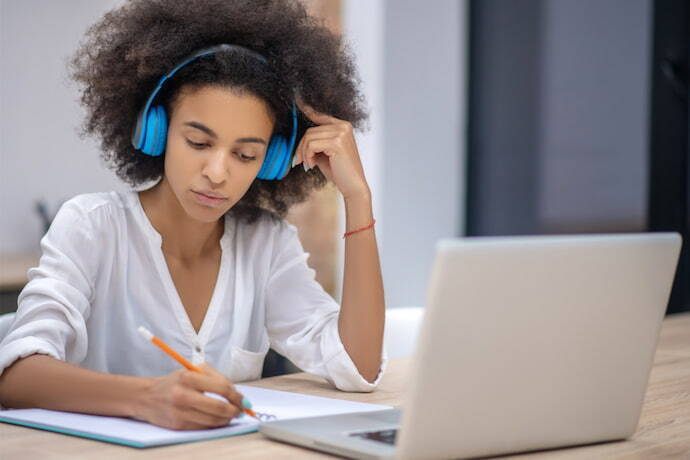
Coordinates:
5	323
402	328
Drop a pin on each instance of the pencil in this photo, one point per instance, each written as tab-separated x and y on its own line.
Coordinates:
180	359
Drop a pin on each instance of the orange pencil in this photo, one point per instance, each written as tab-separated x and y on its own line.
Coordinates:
179	358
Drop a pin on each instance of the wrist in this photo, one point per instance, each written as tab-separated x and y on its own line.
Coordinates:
359	203
140	397
358	212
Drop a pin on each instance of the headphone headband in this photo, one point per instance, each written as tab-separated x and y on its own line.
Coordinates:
197	54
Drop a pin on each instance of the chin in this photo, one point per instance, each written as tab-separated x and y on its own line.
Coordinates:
209	218
205	213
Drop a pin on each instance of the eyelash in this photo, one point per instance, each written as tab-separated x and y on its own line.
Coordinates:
242	156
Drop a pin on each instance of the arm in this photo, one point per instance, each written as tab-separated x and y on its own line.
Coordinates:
362	311
43	381
174	401
302	318
332	148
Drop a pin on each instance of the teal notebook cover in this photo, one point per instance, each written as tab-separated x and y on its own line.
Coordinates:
117	430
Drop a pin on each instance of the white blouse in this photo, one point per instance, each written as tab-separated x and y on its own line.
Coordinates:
102	274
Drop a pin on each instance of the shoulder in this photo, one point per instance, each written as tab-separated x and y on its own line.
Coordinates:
89	203
93	210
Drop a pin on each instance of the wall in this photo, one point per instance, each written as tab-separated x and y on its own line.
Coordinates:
41	156
423	155
594	115
559	109
504	104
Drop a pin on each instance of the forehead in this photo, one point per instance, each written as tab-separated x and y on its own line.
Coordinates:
226	111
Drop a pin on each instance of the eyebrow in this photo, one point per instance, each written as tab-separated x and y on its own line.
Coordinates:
210	132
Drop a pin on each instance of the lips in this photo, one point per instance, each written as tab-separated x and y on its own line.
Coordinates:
208	200
210	194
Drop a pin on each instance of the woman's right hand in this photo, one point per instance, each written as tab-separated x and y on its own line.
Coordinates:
177	400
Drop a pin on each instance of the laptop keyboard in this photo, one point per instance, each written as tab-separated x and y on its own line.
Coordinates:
384	436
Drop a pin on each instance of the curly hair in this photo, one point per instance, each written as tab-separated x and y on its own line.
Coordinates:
124	54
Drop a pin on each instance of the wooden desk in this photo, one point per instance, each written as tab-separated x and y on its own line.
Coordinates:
13	268
663	432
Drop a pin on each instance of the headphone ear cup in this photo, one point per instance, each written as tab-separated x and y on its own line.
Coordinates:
161	132
149	128
283	160
156	122
272	152
276	164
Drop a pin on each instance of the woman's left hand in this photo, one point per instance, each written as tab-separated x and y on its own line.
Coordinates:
331	146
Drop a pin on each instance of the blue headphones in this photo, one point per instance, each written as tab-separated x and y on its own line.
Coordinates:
151	130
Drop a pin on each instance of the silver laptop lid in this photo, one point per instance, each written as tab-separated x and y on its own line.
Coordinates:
535	342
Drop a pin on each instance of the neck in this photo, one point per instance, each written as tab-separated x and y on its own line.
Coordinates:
184	238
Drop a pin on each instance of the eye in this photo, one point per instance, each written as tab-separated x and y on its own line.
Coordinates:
244	157
196	145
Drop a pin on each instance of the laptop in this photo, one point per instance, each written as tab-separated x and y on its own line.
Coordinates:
527	343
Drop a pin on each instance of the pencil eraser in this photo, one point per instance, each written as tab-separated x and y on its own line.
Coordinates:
145	333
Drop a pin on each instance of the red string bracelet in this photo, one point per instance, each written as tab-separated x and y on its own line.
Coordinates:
360	229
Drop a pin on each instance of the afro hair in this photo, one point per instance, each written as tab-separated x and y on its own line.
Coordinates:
123	56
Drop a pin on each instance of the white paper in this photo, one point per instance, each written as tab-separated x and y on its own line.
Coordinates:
282	404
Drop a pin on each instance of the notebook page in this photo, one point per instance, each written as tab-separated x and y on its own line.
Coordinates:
286	405
141	434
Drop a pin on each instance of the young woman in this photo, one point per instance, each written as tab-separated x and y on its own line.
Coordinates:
233	111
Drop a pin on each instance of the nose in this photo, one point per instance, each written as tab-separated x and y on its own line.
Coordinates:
217	167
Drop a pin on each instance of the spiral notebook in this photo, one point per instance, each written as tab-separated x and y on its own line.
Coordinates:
134	433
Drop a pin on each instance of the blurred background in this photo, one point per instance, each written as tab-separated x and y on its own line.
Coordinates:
488	117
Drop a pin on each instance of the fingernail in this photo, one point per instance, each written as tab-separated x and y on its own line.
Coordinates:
246	403
294	159
306	168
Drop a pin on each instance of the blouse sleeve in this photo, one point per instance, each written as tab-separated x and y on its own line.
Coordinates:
302	319
54	305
